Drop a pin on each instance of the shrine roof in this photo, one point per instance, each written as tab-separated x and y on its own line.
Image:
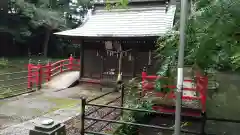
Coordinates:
135	21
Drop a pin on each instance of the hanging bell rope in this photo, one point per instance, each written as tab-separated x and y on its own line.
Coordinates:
120	60
129	57
120	54
149	57
97	53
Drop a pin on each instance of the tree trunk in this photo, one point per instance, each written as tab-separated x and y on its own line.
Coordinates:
3	12
4	6
46	40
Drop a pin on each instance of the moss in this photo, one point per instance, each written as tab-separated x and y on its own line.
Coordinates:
62	103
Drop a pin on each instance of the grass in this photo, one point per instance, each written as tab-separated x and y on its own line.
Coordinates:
12	84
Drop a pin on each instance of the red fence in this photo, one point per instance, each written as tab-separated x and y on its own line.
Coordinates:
39	73
201	85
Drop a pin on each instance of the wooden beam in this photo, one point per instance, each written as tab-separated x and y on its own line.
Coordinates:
81	60
134	55
97	42
92	44
99	38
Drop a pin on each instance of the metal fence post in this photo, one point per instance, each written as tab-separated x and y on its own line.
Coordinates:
144	74
204	118
180	77
122	97
83	104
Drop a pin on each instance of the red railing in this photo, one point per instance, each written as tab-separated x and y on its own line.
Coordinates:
40	73
201	84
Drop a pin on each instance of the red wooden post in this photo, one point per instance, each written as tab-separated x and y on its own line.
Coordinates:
70	62
49	67
204	92
202	85
29	77
144	74
61	67
39	75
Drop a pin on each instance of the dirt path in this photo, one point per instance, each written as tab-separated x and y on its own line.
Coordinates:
59	105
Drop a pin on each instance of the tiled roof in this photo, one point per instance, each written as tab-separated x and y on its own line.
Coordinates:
132	22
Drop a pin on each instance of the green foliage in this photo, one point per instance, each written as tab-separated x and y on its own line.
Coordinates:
133	100
167	53
236	59
212	36
26	16
75	11
4	63
122	4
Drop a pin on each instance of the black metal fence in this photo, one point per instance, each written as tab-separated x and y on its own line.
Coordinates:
128	123
85	117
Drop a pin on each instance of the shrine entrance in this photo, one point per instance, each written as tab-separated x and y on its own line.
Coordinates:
105	59
114	57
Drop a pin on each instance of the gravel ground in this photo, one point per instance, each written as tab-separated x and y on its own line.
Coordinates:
103	113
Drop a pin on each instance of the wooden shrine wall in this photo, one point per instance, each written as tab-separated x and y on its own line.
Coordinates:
92	64
94	67
143	61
